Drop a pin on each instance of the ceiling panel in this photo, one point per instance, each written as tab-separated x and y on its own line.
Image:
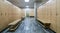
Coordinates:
23	4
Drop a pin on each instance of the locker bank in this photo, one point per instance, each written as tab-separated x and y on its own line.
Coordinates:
29	16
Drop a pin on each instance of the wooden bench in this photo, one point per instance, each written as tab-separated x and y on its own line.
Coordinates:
46	24
14	25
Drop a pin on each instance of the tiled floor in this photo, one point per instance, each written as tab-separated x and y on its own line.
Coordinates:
29	25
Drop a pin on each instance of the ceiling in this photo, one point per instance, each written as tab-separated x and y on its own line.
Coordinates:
23	4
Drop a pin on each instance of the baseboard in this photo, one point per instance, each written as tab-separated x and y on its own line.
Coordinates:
4	29
40	22
51	30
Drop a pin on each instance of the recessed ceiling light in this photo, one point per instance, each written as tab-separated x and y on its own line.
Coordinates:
26	0
27	6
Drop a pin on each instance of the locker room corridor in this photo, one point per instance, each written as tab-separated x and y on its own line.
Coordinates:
29	16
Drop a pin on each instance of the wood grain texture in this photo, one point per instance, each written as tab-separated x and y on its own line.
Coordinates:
8	13
50	13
